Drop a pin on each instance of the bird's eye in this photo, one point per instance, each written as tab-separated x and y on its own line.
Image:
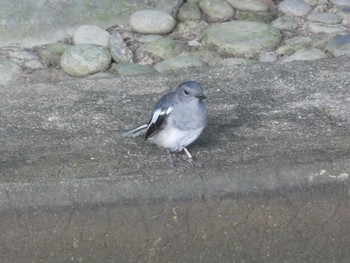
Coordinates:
186	92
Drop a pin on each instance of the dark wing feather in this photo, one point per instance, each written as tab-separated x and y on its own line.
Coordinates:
161	111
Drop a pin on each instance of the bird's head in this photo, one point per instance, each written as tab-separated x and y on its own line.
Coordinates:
190	90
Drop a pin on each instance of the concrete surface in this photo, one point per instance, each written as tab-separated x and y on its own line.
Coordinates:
273	187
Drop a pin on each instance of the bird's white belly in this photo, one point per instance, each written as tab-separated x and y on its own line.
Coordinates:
175	139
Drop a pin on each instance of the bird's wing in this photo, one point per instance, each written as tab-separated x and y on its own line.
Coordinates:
158	118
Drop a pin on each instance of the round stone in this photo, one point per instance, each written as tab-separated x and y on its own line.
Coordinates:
306	54
89	34
287	23
129	69
339	46
189	11
179	62
119	50
327	29
248	5
326	18
294	7
152	22
85	59
216	10
162	48
242	38
341	2
51	54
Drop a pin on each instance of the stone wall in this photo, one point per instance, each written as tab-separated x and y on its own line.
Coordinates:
34	22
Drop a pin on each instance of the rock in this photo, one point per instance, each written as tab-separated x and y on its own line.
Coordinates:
209	57
216	10
190	29
23	55
294	7
326	18
179	62
189	11
268	57
341	2
85	59
306	54
119	50
235	61
50	54
9	71
148	38
265	17
294	44
90	34
326	29
34	23
128	69
288	23
344	12
249	5
316	2
34	64
241	38
152	22
339	46
162	48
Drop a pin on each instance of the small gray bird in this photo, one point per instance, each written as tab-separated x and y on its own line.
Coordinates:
177	120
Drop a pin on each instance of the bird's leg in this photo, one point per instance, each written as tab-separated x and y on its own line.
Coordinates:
171	163
170	160
190	159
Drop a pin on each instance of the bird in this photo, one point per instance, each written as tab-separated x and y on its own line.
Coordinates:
177	120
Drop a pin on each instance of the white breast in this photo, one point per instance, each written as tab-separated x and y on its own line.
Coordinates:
175	139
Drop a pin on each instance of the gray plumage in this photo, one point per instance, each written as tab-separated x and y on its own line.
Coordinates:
177	120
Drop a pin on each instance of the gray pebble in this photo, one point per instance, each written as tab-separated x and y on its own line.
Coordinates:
249	5
326	18
344	12
50	54
242	38
326	29
306	54
339	46
85	59
294	7
89	34
34	64
23	55
341	2
162	48
128	69
179	62
286	22
119	50
9	71
152	22
148	38
216	10
189	11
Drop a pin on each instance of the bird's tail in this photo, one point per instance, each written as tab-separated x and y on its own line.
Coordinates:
136	132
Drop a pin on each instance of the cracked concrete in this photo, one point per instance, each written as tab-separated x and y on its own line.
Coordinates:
274	186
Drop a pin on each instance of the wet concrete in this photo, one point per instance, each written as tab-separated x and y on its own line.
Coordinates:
273	186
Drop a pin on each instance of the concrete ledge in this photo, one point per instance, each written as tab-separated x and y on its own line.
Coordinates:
274	186
271	126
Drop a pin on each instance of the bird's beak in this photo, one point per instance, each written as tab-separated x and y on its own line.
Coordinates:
201	96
